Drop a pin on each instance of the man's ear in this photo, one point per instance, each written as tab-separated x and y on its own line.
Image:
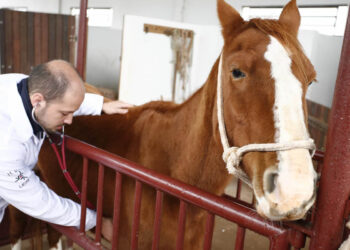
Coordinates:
37	100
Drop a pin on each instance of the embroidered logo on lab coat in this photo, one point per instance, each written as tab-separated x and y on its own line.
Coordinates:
19	178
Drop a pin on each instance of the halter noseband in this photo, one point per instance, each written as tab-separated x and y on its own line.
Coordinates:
232	156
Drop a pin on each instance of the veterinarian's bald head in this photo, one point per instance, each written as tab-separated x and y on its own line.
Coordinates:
53	79
60	68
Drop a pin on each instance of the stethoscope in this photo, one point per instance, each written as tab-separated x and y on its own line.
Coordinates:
62	160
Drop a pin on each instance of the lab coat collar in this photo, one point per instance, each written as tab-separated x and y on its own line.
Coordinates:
22	88
18	114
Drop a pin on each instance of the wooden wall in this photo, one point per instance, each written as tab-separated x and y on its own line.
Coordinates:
28	39
318	123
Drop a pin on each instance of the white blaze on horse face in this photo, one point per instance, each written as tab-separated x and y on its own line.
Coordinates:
294	185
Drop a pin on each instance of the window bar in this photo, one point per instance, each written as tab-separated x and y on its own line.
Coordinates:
116	212
240	238
83	195
99	202
181	226
157	220
209	229
136	219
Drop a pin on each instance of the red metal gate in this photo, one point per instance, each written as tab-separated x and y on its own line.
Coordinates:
230	208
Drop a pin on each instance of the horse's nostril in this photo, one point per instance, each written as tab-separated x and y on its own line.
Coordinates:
270	182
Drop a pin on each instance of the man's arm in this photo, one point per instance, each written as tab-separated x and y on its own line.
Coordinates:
93	105
20	187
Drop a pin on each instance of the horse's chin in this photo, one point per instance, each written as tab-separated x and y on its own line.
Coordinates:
268	211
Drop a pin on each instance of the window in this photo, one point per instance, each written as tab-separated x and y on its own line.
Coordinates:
101	17
326	20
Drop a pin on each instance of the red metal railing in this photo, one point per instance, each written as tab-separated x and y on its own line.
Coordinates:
332	209
227	207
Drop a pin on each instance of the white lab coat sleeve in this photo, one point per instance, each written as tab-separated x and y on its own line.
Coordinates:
20	187
92	105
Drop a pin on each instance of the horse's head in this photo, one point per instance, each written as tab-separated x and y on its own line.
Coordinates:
265	75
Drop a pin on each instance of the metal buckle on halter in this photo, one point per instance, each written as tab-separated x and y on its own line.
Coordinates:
77	192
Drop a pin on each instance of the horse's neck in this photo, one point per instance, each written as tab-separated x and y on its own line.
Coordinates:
200	150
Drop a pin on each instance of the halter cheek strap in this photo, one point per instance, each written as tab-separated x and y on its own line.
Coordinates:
232	156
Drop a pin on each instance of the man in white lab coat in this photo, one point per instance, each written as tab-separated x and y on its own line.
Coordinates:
30	106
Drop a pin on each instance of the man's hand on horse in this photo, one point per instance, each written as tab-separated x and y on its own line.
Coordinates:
116	107
107	228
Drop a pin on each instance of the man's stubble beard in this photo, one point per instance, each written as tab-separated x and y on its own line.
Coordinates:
39	117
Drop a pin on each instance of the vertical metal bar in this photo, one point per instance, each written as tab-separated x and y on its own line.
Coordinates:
334	186
83	194
240	234
136	219
209	229
279	242
239	187
181	226
101	174
296	238
157	220
116	212
82	36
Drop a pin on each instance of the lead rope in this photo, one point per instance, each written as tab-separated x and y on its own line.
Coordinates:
232	156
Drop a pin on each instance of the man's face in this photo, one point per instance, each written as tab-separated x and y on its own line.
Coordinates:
56	113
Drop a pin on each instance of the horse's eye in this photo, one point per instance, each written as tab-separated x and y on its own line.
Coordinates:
310	83
237	74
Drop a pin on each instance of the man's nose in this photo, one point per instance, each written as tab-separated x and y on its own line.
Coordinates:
69	119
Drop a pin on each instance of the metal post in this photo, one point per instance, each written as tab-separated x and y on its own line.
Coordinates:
334	184
82	37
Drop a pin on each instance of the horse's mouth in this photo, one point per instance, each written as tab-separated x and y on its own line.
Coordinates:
297	213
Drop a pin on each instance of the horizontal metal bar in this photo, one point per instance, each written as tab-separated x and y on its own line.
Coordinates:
244	216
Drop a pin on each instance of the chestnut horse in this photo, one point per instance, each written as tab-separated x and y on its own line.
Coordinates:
264	75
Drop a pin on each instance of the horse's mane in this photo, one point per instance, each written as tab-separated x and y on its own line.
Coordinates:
277	30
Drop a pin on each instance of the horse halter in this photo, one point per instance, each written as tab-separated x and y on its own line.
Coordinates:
232	156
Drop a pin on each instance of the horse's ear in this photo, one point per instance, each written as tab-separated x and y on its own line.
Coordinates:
290	17
229	18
